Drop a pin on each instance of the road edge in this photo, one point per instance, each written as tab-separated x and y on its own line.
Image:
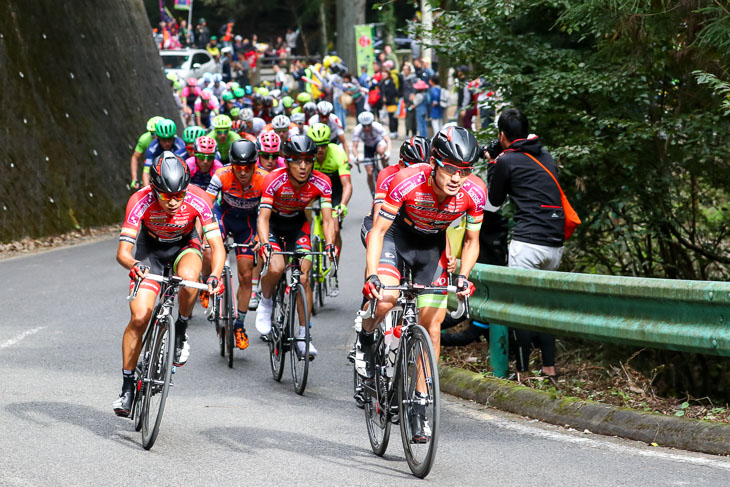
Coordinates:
666	431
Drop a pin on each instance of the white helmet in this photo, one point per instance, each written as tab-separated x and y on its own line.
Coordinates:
365	118
280	122
246	114
324	108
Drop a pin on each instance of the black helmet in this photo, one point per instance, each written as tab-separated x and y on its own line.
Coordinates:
257	98
268	101
243	151
457	145
169	174
299	146
309	109
415	150
277	110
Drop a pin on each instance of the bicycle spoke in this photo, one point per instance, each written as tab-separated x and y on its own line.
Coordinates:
157	380
300	344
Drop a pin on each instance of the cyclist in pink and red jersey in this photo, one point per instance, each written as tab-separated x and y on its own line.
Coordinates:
204	163
269	144
188	95
206	107
283	225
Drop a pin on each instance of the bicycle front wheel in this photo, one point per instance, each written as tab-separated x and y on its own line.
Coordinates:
157	380
299	333
419	401
229	314
315	274
377	405
277	336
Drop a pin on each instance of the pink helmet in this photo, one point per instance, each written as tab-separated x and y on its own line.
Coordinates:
205	95
205	145
269	142
192	81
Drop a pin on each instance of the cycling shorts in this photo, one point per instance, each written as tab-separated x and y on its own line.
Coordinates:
367	225
157	255
424	255
289	233
241	225
370	150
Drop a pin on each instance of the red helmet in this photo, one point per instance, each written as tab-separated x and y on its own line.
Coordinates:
192	81
269	142
205	145
205	95
238	125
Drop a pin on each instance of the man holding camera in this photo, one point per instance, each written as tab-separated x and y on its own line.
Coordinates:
515	170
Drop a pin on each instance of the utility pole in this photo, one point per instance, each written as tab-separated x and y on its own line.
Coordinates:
349	13
427	24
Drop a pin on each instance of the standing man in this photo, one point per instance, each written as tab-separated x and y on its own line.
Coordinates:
538	236
202	34
436	111
291	40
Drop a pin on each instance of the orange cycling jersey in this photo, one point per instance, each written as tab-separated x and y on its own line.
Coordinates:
412	200
234	197
144	211
281	197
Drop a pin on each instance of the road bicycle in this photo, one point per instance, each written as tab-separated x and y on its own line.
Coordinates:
378	163
405	379
223	308
323	279
154	369
290	315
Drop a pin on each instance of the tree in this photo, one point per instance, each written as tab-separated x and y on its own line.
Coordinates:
349	13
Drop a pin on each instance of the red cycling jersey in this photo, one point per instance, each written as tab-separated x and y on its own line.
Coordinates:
412	189
143	208
385	177
281	197
234	196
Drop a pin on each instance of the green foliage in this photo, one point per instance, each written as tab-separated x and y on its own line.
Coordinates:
622	94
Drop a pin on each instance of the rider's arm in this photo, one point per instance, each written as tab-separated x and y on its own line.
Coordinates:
375	244
263	225
469	252
218	254
346	189
387	141
328	225
342	139
134	164
124	254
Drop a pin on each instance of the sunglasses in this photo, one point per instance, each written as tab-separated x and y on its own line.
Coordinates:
244	167
306	161
268	155
452	169
205	157
179	196
221	132
189	147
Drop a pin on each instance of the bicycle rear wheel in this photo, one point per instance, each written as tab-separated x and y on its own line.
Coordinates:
314	277
157	380
229	314
277	336
419	373
377	406
299	345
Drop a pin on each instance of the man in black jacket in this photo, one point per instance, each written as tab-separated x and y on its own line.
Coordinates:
538	235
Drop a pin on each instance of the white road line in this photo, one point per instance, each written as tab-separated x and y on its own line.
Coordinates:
18	338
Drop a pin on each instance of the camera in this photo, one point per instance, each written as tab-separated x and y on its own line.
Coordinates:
494	149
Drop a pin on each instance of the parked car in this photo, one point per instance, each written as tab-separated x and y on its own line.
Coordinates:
188	62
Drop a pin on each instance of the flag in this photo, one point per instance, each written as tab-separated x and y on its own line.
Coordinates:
164	13
182	4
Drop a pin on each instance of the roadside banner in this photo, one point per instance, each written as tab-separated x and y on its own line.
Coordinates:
364	48
183	4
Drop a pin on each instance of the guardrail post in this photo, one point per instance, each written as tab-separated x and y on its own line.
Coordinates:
499	350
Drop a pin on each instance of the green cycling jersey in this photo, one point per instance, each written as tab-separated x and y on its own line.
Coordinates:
225	146
335	162
144	142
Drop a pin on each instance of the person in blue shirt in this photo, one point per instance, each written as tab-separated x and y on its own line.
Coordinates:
422	105
166	140
364	78
437	111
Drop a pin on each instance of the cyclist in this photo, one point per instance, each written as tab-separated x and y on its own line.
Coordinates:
224	136
190	135
240	186
324	115
374	138
422	201
254	125
288	103
265	113
166	141
188	95
269	145
309	109
239	126
302	98
160	220
282	126
282	222
300	120
140	149
204	163
229	103
206	107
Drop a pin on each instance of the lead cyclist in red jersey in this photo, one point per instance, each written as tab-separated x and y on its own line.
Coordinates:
160	219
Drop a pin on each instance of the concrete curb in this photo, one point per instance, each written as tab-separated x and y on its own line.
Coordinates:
666	431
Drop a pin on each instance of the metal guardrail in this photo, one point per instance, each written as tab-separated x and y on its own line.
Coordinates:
685	316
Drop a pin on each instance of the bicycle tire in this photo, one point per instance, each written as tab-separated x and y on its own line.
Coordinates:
140	369
230	314
277	352
157	380
377	407
419	349
314	274
299	362
220	331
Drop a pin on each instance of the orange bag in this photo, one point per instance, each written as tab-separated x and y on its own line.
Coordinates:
572	220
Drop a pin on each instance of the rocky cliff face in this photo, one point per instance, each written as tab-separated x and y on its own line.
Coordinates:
78	81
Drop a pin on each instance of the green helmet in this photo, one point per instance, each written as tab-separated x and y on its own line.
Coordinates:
304	97
319	133
222	122
165	128
191	133
233	85
227	96
152	122
287	101
235	112
264	91
238	92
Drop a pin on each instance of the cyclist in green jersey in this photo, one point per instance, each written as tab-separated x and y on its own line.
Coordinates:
224	136
143	143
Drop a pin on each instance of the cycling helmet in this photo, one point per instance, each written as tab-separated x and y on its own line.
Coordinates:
365	118
257	98
415	150
299	146
238	125
457	145
276	93
269	142
248	89
304	97
222	122
310	108
235	112
268	101
205	95
192	82
243	151
169	174
152	122
208	76
280	122
277	110
190	134
298	117
227	96
205	145
264	91
165	128
217	78
238	92
287	101
319	133
246	114
324	108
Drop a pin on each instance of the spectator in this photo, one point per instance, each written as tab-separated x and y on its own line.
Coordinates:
238	46
389	93
212	48
202	34
380	58
336	82
377	72
226	65
437	111
185	34
467	110
279	77
240	70
291	40
409	94
364	78
390	55
538	235
226	32
421	103
353	88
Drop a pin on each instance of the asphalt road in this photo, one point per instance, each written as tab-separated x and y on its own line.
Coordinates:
63	314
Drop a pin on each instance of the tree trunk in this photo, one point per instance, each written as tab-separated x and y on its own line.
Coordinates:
323	28
349	14
293	7
443	59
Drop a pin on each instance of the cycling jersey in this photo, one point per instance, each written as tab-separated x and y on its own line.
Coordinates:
369	139
211	106
199	178
144	211
335	162
333	122
155	149
412	202
293	129
225	146
144	142
282	198
190	95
